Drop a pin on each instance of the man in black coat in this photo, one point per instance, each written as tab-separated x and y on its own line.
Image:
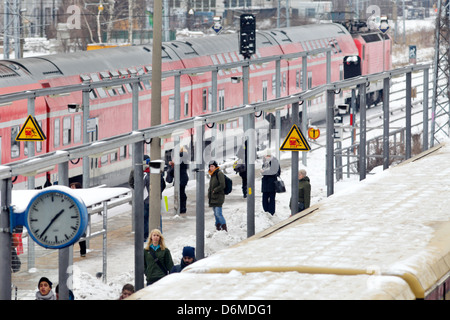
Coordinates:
270	171
188	258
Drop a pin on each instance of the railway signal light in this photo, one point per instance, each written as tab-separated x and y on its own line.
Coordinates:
247	36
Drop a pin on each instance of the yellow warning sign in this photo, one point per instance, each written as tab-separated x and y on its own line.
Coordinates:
295	141
31	131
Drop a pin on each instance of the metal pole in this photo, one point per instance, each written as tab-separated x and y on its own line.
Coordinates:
31	184
64	261
86	161
425	109
294	164
305	103
176	149
277	113
330	143
138	210
200	187
6	30
135	127
105	237
5	241
251	153
155	145
362	131
386	85
408	117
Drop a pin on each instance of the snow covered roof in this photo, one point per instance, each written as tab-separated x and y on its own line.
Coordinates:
382	239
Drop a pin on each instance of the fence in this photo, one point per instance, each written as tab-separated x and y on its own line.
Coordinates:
137	139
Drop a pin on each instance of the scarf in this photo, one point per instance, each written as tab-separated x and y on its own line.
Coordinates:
49	296
212	172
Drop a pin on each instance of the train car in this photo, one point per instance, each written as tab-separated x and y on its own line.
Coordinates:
110	108
386	238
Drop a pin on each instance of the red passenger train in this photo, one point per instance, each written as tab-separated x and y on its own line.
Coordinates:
110	107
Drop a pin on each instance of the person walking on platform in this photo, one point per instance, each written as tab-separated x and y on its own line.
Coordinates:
187	259
216	194
184	177
146	192
270	171
157	258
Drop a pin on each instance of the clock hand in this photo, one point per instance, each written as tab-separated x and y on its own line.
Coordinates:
51	222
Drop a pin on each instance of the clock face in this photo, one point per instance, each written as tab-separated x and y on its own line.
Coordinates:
55	219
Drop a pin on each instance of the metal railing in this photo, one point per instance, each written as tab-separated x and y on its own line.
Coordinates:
137	138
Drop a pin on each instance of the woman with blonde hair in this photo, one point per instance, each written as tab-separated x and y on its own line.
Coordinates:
157	258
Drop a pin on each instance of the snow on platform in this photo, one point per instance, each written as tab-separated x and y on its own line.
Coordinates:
386	238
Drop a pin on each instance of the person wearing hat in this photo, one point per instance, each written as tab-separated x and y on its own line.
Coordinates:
187	259
216	194
45	290
270	171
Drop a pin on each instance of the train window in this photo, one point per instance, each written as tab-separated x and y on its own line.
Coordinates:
147	84
274	86
56	133
101	91
284	82
309	85
221	100
123	152
93	94
104	159
67	131
210	100
77	129
15	145
171	108
298	79
205	99
112	92
264	90
186	104
113	157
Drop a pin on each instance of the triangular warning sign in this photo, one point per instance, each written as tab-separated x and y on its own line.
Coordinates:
295	141
31	131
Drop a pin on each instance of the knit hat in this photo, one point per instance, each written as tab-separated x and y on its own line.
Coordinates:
189	252
45	280
213	163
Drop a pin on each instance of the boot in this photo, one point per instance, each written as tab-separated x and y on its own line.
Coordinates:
224	227
218	226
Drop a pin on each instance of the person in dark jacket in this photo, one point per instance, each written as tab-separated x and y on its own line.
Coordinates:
270	171
187	259
157	258
304	190
216	194
146	192
240	167
184	178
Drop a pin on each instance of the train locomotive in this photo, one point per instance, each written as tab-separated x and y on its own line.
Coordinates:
354	52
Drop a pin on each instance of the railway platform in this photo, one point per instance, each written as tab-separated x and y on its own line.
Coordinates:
120	245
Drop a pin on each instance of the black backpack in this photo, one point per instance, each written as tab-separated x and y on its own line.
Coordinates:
228	185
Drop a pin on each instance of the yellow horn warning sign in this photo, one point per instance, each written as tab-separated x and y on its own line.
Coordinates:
295	141
31	131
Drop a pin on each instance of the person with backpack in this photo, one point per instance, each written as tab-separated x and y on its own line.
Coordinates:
270	171
216	194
